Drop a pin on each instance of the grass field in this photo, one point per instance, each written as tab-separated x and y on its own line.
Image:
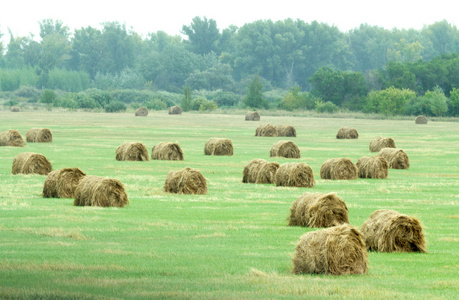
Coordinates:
232	243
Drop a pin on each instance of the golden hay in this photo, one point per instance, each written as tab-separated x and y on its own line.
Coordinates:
100	191
11	138
185	181
167	151
285	149
373	167
420	120
380	142
347	133
39	135
286	130
175	110
259	171
252	116
141	112
31	163
132	151
396	158
318	210
62	183
338	169
218	146
389	231
295	175
336	250
266	130
15	109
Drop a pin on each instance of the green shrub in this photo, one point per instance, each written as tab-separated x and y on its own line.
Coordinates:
69	81
327	107
454	102
101	97
85	101
156	104
48	96
227	99
29	92
11	102
115	106
68	100
9	81
433	103
391	101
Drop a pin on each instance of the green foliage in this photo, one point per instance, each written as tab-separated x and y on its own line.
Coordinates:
226	99
187	100
433	103
84	100
202	104
11	102
28	92
48	96
295	99
115	106
69	81
454	102
254	97
67	100
156	104
391	101
9	81
327	107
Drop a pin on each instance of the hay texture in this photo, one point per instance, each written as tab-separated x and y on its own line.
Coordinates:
380	142
347	133
266	130
338	250
11	138
373	167
39	135
167	151
396	158
100	191
175	110
420	120
141	112
389	231
287	149
259	171
15	109
252	116
295	175
218	146
338	169
185	181
132	151
31	163
62	183
286	130
318	210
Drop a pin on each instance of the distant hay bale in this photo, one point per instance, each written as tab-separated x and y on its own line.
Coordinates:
260	171
375	167
175	110
347	133
379	142
420	120
287	149
11	138
132	151
266	130
336	250
39	135
141	112
31	163
286	130
338	169
218	146
396	158
295	175
100	191
318	210
389	231
252	116
15	109
185	181
167	151
62	183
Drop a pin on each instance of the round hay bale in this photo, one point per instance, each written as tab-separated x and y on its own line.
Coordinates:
259	171
15	109
141	112
185	181
379	142
167	151
373	167
39	135
266	130
295	175
252	116
318	210
175	110
218	146
287	149
347	133
31	163
100	191
62	183
389	231
396	158
286	130
338	169
336	250
132	152
420	120
11	138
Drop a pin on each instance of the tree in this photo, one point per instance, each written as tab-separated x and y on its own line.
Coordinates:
50	27
203	35
254	97
391	101
187	100
454	102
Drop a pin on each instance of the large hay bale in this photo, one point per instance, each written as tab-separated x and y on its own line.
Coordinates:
252	116
31	163
218	146
15	109
132	151
259	171
338	169
318	210
420	120
167	151
287	149
175	110
295	175
336	250
286	130
39	135
347	133
266	130
373	167
396	158
141	112
100	191
62	183
379	142
389	231
185	181
11	138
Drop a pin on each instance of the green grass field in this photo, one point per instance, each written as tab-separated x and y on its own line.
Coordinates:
234	242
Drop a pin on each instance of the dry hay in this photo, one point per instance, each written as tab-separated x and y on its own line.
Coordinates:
39	135
266	130
175	110
338	169
100	191
218	146
132	151
347	133
396	158
167	151
15	109
373	167
389	231
141	112
286	130
185	181
62	183
252	116
420	120
285	149
337	250
318	210
11	138
31	163
378	143
295	175
259	171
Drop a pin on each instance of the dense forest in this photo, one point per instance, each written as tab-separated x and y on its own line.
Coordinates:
296	66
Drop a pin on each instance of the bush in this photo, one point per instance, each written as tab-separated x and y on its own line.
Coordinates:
28	92
48	96
128	96
433	103
11	102
9	81
68	100
84	101
454	102
115	106
227	99
391	101
327	107
70	81
156	104
99	96
295	99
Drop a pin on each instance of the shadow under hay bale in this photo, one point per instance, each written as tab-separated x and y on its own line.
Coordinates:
347	133
318	210
218	146
167	151
141	112
175	110
389	231
15	109
378	143
295	175
39	135
396	158
132	152
338	169
252	116
337	250
185	181
31	163
286	130
62	183
375	167
11	138
100	191
266	130
259	171
420	120
287	149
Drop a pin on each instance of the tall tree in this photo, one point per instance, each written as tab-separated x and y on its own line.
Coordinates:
203	35
254	97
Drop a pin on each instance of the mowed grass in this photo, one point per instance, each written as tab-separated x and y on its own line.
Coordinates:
232	243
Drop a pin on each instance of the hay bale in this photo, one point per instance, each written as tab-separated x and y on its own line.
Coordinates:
266	130
295	175
379	142
62	183
132	151
175	110
185	181
259	171
218	146
338	169
286	130
167	151
39	135
100	191
347	133
252	116
420	120
336	250
11	138
396	158
15	109
318	210
141	112
372	167
389	231
287	149
31	163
